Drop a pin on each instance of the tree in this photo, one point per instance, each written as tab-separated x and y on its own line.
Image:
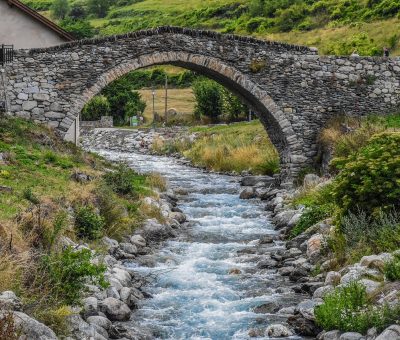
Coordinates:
60	9
99	7
77	11
135	106
209	99
96	108
233	107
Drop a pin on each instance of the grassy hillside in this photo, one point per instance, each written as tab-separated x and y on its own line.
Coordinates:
335	26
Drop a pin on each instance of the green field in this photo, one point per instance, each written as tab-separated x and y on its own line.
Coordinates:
334	26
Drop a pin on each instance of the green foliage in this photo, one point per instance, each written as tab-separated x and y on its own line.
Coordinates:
30	196
135	106
88	223
370	179
392	269
68	271
361	43
79	28
123	180
312	215
349	309
209	99
60	9
96	108
99	7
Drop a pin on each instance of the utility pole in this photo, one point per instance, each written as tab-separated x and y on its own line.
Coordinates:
166	99
154	111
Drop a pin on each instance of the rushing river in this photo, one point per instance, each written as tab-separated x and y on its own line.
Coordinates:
206	284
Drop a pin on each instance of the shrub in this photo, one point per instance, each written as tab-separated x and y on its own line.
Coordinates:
209	99
69	271
312	215
79	28
88	223
392	269
349	309
122	180
370	179
96	108
60	9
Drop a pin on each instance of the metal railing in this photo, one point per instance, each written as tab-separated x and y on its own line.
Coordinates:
6	54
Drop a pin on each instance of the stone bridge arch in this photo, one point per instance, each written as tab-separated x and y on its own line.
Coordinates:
294	91
277	126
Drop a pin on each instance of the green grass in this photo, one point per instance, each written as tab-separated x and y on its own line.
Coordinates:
335	27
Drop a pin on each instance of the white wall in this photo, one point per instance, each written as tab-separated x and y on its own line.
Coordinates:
23	31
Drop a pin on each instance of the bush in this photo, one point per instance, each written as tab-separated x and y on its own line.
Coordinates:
349	309
370	179
122	180
79	28
69	271
96	108
88	223
312	215
392	269
60	9
209	99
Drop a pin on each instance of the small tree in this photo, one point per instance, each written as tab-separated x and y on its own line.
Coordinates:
96	108
135	106
99	7
209	99
233	107
60	9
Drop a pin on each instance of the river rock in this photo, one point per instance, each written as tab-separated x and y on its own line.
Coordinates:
80	329
30	328
99	321
128	248
250	181
351	336
314	247
322	291
370	285
113	292
247	194
332	278
138	241
268	307
282	219
178	216
277	331
122	276
128	297
306	308
376	261
390	333
303	326
267	264
156	232
115	310
331	335
90	306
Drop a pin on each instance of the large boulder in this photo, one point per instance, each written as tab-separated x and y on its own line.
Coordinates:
247	194
30	328
156	232
115	310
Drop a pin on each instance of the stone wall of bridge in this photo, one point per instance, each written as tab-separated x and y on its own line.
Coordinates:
294	91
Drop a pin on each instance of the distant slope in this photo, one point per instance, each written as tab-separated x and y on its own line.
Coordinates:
334	26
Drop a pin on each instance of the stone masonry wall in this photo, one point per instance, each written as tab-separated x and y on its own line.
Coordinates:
294	91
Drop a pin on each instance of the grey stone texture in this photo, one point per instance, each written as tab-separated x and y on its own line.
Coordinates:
293	90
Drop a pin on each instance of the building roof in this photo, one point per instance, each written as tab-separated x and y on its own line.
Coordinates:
48	23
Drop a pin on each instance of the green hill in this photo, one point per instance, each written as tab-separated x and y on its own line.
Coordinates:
334	26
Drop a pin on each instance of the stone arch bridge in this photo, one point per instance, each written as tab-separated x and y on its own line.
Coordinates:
293	90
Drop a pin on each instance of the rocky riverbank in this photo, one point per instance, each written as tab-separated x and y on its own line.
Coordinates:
307	267
104	311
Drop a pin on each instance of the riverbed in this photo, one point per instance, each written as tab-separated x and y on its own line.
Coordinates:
206	283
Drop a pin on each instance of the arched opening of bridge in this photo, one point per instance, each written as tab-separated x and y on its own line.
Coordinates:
273	120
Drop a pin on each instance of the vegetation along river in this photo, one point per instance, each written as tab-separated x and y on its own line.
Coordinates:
207	285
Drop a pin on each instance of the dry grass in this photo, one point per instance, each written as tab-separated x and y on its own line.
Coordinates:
181	100
156	181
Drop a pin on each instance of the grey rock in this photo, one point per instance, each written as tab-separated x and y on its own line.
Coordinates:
138	241
351	336
277	331
247	194
390	333
99	321
32	329
115	310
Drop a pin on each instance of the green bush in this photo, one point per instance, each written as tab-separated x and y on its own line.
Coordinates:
349	309
209	99
69	271
96	108
312	215
370	179
79	28
122	180
392	269
88	223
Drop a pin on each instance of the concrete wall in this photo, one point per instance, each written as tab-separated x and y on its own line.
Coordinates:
23	31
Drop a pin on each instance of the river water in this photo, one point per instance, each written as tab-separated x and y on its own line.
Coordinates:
206	284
